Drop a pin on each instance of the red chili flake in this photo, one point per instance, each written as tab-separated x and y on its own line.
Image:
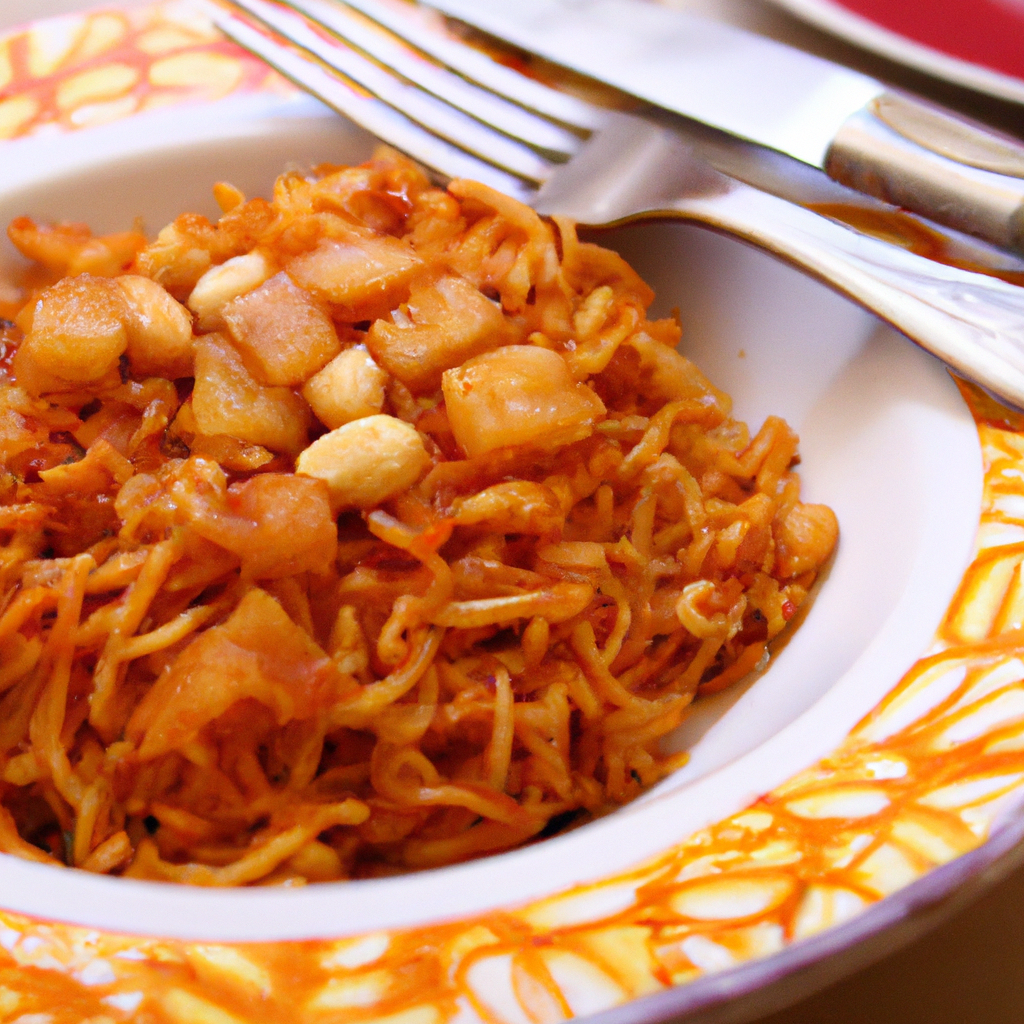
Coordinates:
788	610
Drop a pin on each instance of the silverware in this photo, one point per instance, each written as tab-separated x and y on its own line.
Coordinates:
887	144
605	168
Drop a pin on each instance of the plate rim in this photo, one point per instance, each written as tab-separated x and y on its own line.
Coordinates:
855	28
881	929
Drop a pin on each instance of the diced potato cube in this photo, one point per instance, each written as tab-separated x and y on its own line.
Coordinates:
78	331
367	461
228	452
180	255
518	395
363	279
36	381
219	285
159	329
348	388
451	321
294	528
282	332
257	653
227	400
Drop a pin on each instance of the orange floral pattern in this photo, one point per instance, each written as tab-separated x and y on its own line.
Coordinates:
920	781
84	70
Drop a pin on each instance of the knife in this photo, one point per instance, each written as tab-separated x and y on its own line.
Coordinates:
890	145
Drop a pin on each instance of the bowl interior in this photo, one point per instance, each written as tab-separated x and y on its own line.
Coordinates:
885	440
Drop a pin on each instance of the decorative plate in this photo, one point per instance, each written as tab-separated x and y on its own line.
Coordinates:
872	774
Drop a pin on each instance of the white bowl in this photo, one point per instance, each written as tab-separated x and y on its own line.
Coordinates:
886	440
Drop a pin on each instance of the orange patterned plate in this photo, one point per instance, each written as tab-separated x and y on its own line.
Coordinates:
916	803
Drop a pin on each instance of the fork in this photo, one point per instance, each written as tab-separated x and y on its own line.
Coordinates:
461	114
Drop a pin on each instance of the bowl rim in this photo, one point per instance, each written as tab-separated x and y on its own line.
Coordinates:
808	965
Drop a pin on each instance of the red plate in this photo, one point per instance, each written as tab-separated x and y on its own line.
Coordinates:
978	43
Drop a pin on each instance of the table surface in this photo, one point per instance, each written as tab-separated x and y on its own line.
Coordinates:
969	970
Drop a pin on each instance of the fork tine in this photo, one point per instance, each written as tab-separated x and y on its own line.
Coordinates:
368	112
393	51
418	106
479	68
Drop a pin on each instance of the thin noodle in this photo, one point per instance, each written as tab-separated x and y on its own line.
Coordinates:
499	750
370	528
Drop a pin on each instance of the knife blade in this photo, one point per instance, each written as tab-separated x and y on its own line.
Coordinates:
890	145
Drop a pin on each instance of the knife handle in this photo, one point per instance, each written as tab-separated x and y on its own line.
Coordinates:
947	168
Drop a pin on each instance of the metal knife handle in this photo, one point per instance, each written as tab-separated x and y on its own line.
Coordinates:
952	170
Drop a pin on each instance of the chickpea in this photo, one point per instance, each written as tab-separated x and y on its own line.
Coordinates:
366	461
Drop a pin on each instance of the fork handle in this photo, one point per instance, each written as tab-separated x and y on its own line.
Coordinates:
973	322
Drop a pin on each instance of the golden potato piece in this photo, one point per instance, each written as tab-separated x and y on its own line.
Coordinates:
362	279
257	653
180	254
282	332
367	461
348	388
37	382
447	322
669	376
227	400
518	395
78	331
219	285
159	329
804	539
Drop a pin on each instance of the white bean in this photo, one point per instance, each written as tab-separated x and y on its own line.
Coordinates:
220	284
366	461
